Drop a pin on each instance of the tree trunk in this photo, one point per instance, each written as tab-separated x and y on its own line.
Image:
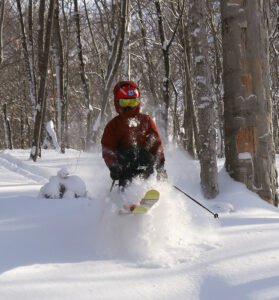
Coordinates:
249	146
166	80
43	64
127	54
28	55
66	77
83	77
218	70
190	134
28	132
2	13
22	144
204	100
7	128
59	66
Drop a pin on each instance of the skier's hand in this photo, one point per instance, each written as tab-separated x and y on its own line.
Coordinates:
115	171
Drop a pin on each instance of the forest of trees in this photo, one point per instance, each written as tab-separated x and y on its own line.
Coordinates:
207	70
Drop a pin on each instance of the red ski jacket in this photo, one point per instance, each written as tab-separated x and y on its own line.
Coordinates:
130	129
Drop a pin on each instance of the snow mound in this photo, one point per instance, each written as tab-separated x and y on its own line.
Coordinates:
63	186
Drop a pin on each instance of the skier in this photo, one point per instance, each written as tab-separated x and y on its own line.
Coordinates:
131	144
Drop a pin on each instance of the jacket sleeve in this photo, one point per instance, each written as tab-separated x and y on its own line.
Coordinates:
109	144
154	142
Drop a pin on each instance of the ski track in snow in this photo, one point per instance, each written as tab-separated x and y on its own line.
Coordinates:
82	249
17	166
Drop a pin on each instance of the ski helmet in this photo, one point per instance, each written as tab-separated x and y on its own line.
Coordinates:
126	95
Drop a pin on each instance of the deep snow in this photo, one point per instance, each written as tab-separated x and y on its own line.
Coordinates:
82	249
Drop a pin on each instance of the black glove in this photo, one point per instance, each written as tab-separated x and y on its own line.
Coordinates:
115	171
145	158
161	172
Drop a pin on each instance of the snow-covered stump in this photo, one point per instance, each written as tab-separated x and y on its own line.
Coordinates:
63	185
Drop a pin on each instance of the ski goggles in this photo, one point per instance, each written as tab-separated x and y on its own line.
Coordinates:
132	102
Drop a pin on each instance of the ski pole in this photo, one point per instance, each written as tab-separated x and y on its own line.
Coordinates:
112	185
214	214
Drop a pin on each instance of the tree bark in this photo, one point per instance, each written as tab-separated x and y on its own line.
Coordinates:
83	76
249	147
204	100
166	80
43	65
66	71
7	128
28	55
2	13
190	134
217	71
59	66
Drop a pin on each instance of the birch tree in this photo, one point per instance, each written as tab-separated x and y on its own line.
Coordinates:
214	25
204	100
249	147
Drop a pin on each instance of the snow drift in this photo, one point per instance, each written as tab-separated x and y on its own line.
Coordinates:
63	185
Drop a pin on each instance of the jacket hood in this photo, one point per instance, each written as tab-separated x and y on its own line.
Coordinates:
120	110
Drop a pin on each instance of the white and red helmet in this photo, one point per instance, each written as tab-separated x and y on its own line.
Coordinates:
126	90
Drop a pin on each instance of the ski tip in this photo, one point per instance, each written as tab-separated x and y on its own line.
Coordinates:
152	194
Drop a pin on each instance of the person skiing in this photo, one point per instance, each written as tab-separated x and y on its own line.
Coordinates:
131	144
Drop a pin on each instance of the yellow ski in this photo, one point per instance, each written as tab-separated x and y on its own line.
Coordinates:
149	199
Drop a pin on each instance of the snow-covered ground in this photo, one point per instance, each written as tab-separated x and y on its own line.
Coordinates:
82	249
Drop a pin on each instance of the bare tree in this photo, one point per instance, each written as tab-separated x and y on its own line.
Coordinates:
2	11
148	59
113	64
166	44
59	66
189	133
83	76
7	128
28	55
43	57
